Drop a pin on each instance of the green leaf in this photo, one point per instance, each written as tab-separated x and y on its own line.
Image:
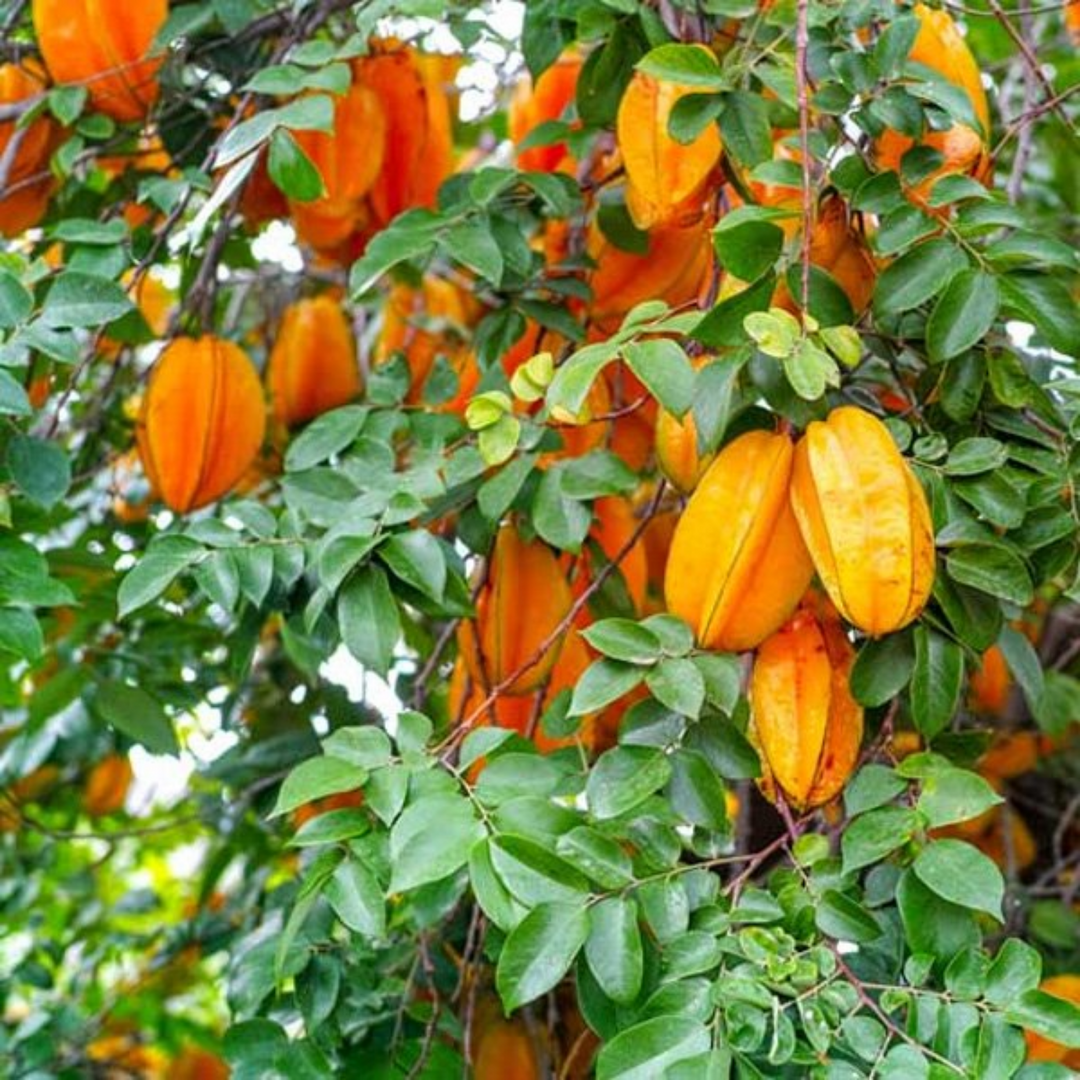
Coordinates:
20	633
431	839
872	786
666	908
308	113
67	102
845	919
882	669
78	299
491	894
324	437
597	856
723	679
865	1035
604	681
747	246
665	370
624	777
410	236
676	637
991	569
873	835
414	731
901	228
994	498
677	683
745	128
695	791
289	79
963	875
316	778
481	741
368	619
1059	704
689	65
357	899
932	925
775	332
562	521
714	392
474	247
13	397
1052	1017
725	747
1048	304
969	457
962	384
573	380
539	951
1016	969
292	170
417	559
597	474
511	775
156	571
723	326
134	712
624	639
613	949
366	747
605	74
16	303
618	226
954	795
810	370
497	495
692	114
332	827
962	316
533	873
694	953
1023	662
647	1051
498	442
40	468
1001	1048
829	303
974	616
936	681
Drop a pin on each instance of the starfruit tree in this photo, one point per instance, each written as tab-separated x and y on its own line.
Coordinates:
539	540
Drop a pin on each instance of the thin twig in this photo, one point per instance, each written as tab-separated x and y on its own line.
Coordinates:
1032	62
802	45
564	624
1027	132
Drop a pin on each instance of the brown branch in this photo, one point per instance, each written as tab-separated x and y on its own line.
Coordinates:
802	45
1027	134
1032	114
1031	61
466	725
7	159
281	19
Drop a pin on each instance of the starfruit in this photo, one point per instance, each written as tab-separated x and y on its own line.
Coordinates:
738	566
865	520
804	720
